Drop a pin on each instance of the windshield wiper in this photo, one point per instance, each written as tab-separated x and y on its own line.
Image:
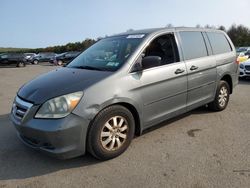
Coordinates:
88	67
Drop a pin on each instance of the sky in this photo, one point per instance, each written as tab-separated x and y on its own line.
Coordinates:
42	23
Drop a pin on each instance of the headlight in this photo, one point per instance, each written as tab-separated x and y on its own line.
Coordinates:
59	107
242	66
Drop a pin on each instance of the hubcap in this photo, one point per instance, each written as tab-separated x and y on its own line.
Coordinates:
223	96
114	133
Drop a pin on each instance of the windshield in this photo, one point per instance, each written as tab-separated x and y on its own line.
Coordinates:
108	54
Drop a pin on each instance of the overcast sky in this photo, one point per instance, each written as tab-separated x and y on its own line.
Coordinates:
41	23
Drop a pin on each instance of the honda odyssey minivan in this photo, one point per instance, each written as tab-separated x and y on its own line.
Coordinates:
121	86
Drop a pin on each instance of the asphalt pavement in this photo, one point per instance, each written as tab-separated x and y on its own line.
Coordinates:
199	149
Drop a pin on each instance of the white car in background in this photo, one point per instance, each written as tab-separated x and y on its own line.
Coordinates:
245	69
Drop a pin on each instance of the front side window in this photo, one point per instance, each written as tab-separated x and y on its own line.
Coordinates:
193	45
108	54
165	47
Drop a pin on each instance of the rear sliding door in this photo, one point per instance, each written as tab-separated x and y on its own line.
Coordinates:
201	68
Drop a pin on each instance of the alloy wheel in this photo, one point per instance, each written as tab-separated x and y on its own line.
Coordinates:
114	133
223	96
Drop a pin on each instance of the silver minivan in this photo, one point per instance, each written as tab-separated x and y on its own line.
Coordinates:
123	85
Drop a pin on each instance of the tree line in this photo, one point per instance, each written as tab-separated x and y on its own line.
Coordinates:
72	46
239	34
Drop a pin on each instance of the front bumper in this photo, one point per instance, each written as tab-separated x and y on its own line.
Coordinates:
62	138
244	73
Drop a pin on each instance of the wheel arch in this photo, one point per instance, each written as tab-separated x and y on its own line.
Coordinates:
135	114
128	105
227	78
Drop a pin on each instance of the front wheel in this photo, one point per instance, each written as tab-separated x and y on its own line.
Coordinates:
221	98
21	64
111	132
60	62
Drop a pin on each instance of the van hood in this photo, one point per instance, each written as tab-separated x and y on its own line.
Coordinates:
59	82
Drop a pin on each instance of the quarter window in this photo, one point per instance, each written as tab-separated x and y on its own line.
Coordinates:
193	45
219	43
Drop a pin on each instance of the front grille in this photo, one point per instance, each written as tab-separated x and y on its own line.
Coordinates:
247	67
20	112
20	109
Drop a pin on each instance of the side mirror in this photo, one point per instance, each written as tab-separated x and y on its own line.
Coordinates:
137	67
150	61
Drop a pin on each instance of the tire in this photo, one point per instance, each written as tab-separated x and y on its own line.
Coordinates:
35	62
20	64
221	98
60	62
105	140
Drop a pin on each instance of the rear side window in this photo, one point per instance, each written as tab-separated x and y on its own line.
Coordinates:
219	43
193	45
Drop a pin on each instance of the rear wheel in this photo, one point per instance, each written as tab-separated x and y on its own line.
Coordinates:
111	132
35	62
221	98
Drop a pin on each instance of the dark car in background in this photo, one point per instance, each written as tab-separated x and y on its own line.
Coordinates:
248	52
242	50
43	57
65	58
17	59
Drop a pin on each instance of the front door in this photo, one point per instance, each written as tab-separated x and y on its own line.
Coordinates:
163	88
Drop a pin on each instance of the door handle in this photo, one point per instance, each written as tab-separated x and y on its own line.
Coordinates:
179	71
193	67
